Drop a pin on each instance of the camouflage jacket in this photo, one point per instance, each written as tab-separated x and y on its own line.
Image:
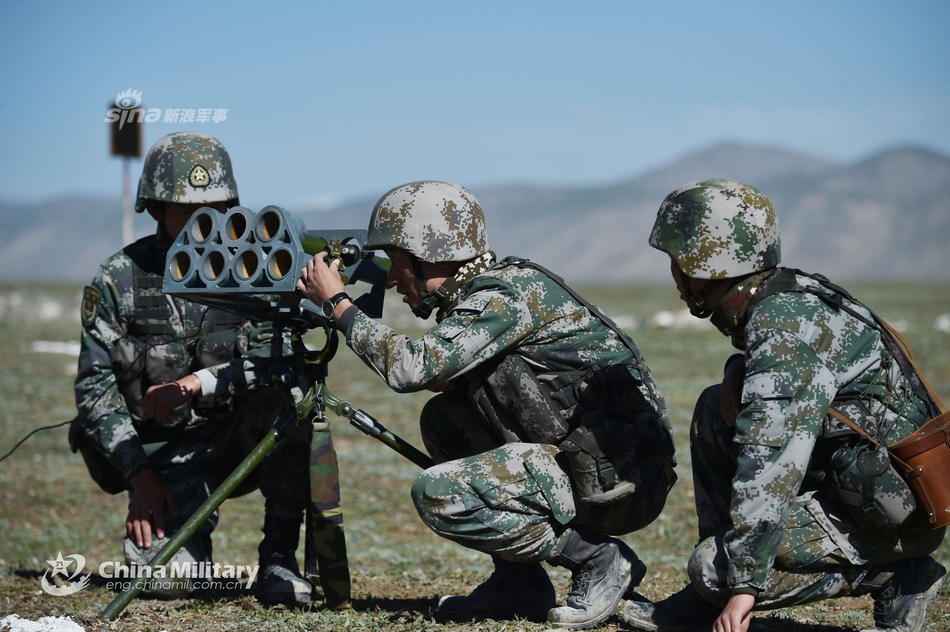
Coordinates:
507	309
803	356
134	336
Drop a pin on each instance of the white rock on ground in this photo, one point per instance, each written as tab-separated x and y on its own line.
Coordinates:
47	624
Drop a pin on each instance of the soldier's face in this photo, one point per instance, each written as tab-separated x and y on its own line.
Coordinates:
402	278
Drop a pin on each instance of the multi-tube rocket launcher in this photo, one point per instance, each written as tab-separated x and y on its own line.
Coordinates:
250	262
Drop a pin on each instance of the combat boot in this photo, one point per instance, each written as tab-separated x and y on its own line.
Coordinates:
280	580
515	589
901	604
684	610
603	570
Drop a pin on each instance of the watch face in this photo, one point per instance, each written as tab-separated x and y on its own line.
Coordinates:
328	309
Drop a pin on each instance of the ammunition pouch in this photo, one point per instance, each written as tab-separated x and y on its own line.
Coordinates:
105	475
516	405
865	482
598	417
602	458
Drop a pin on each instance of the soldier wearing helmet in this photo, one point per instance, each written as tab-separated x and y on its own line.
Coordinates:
797	500
165	408
549	433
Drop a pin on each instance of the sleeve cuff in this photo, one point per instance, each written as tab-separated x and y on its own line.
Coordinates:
345	323
129	458
209	382
746	590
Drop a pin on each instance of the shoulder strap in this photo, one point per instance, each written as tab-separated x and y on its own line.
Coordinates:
610	324
624	338
895	343
150	313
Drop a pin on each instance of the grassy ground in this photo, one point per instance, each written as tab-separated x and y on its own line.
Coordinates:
399	569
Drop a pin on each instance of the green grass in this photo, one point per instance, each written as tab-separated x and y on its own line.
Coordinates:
399	568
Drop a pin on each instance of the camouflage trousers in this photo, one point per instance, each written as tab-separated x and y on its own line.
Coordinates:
821	554
198	463
513	500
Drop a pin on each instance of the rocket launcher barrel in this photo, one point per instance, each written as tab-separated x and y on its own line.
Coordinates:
250	262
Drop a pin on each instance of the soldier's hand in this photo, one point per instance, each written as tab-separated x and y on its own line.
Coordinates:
162	399
730	392
737	614
319	281
149	498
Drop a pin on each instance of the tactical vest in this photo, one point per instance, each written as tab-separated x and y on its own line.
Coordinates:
598	416
150	353
856	472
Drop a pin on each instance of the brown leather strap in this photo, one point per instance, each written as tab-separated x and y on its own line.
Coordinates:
910	358
837	415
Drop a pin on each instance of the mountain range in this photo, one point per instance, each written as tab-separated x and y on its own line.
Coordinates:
884	217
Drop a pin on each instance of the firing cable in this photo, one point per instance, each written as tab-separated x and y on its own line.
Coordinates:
117	376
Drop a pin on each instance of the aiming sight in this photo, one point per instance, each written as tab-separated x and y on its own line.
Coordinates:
249	262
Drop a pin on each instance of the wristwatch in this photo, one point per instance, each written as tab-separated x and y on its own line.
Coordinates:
330	304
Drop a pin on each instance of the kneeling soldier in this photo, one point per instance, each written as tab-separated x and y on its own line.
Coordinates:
549	433
796	497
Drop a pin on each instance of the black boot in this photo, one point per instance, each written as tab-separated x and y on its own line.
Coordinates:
280	581
515	589
901	604
683	610
603	570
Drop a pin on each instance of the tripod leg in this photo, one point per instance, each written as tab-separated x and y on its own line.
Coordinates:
115	608
325	552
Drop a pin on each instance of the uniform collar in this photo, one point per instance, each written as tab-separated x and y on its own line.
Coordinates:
464	274
734	310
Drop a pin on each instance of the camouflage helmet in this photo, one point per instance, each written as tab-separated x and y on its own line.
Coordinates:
187	168
435	221
718	229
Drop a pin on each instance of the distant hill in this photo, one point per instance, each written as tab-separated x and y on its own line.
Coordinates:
885	217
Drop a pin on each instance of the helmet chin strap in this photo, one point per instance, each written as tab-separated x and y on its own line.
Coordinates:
447	293
430	299
696	301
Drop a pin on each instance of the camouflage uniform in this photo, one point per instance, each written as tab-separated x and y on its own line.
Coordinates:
549	432
135	336
507	310
773	527
771	523
122	355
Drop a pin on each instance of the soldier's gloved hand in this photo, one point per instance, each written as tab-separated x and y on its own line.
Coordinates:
147	504
162	399
730	392
319	281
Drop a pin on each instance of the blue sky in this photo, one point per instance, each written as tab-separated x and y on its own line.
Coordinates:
327	101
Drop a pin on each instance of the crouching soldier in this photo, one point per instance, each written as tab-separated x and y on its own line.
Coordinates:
549	433
796	496
165	410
